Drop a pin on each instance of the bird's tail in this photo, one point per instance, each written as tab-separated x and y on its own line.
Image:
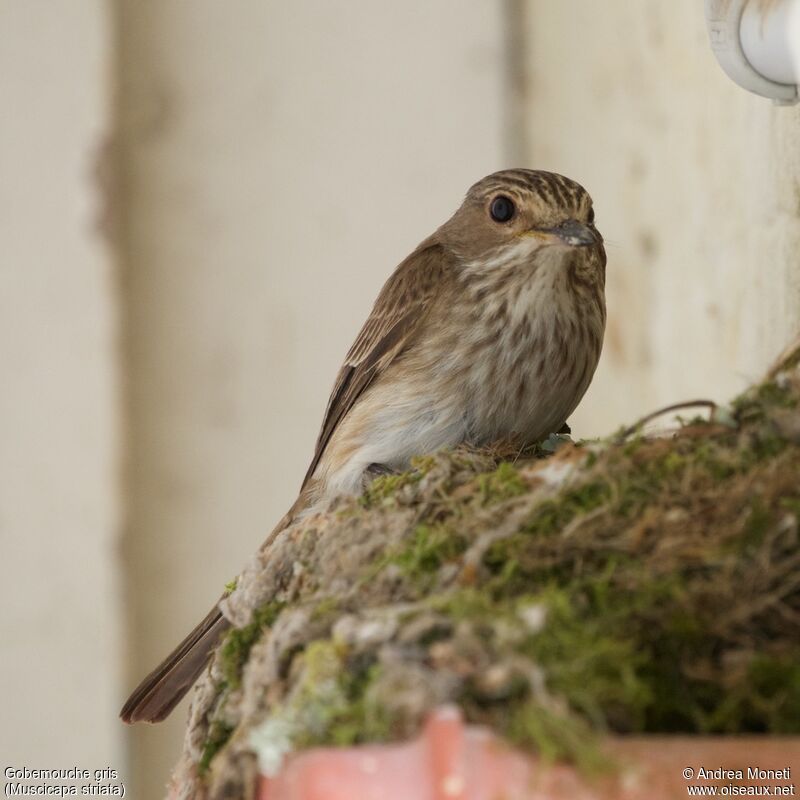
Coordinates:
154	698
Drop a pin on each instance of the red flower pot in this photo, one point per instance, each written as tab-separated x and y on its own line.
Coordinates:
451	761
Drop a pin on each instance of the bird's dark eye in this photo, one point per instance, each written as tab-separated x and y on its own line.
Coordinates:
502	208
591	216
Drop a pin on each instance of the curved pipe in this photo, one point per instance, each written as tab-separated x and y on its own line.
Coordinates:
757	43
770	36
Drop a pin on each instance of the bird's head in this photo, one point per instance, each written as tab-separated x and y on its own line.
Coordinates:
522	216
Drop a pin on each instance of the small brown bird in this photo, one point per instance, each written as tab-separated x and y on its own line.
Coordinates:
490	330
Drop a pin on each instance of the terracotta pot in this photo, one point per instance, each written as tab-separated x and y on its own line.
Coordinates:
451	761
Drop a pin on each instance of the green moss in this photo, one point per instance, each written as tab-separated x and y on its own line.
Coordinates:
791	360
533	726
763	445
422	465
468	603
632	446
649	594
592	659
754	404
501	484
774	698
230	586
591	457
515	564
552	515
383	489
325	608
218	736
238	642
792	504
719	462
429	548
759	521
765	700
673	463
770	394
549	518
331	704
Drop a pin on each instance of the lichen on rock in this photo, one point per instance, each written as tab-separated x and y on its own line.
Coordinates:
638	585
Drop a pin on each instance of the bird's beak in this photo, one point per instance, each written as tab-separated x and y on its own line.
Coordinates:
571	233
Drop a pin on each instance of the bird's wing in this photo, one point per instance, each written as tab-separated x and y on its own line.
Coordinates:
395	318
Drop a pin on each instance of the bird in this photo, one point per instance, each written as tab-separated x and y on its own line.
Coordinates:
490	330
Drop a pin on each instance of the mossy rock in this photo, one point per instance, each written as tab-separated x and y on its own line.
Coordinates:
645	585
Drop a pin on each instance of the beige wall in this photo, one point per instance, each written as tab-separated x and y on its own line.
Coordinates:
697	189
273	162
60	671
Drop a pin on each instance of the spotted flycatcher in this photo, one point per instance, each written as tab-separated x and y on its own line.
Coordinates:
490	330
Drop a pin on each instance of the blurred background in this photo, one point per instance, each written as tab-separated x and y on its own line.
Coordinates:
198	204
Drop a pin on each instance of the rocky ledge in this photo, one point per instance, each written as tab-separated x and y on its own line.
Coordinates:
633	585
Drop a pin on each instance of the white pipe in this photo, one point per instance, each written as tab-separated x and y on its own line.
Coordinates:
769	30
770	36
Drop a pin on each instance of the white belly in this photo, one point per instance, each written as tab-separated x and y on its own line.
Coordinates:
400	421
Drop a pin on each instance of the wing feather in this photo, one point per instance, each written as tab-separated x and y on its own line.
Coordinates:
396	316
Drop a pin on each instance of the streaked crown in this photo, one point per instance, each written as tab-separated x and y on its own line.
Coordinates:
547	195
507	207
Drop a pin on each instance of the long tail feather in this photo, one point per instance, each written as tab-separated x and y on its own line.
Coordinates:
165	686
155	697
